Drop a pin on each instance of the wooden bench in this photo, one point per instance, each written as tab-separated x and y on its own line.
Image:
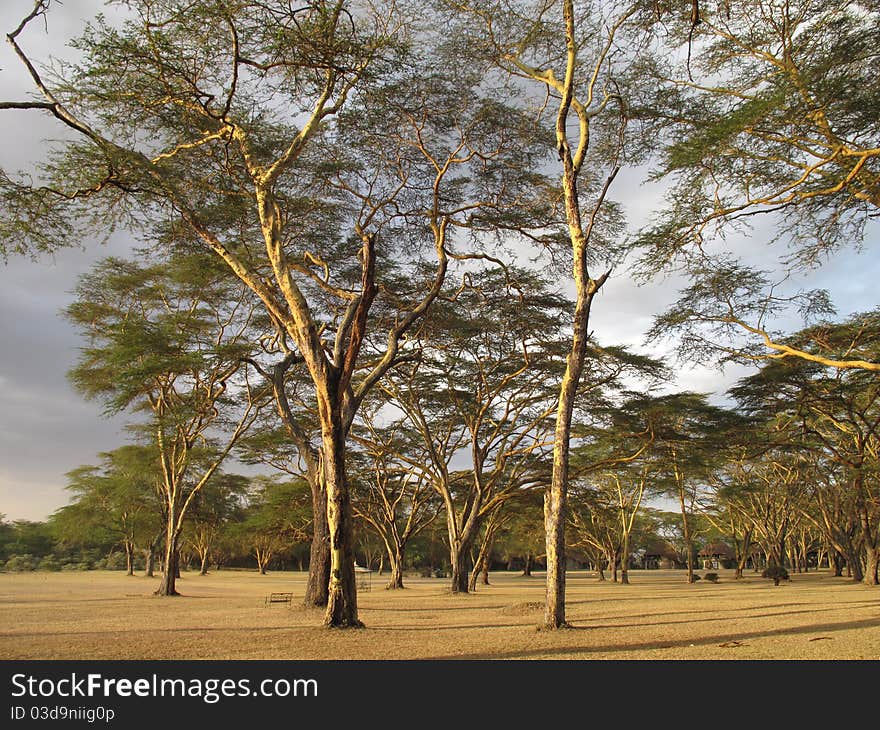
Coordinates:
279	598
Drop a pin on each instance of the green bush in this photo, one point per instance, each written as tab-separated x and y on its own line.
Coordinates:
50	563
21	563
711	577
76	566
776	572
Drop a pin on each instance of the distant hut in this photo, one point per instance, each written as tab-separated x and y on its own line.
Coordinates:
659	554
716	555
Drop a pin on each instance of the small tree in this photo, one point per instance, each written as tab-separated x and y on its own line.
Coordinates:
169	339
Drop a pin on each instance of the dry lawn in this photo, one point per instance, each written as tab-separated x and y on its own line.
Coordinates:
105	615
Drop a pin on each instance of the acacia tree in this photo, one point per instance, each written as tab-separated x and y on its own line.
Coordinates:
773	111
216	503
167	339
689	434
831	509
241	149
116	499
479	386
276	518
835	414
573	51
520	532
725	509
391	496
768	108
612	464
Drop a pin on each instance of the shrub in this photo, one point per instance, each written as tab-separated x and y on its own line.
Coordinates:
50	563
21	563
75	566
711	577
776	572
697	577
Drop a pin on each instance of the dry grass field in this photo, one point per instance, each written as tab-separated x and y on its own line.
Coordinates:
105	615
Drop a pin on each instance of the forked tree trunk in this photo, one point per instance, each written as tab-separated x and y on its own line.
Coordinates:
685	527
743	557
203	566
481	567
624	560
395	560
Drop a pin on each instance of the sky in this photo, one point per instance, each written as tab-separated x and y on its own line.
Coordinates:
47	429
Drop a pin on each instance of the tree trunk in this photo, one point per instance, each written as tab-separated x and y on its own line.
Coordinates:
869	535
459	557
472	579
167	586
871	562
743	558
624	560
527	565
342	610
203	568
318	583
129	558
481	566
854	565
395	561
149	561
556	493
686	533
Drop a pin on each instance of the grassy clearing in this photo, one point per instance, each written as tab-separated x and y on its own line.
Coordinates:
105	615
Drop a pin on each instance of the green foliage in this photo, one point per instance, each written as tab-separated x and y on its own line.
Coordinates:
21	563
756	117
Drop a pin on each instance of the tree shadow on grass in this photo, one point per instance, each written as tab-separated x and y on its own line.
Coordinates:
551	651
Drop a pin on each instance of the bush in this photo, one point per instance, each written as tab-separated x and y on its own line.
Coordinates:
50	563
21	563
697	577
776	572
76	566
711	577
